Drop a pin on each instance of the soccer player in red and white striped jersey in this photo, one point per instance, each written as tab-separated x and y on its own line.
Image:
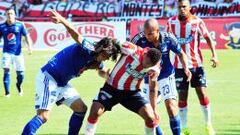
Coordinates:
188	28
123	86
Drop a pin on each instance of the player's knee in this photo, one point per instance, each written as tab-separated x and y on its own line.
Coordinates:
97	110
44	115
79	106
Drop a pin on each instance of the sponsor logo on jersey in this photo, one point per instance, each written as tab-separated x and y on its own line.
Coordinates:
11	38
133	72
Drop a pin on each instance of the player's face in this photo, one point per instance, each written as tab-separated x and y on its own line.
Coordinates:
103	56
184	8
10	15
146	61
151	34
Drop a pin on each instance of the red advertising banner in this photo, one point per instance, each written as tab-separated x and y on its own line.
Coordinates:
224	32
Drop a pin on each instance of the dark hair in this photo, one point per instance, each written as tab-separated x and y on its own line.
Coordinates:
110	46
155	55
10	8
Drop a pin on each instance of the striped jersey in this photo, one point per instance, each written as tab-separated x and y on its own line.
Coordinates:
128	72
188	35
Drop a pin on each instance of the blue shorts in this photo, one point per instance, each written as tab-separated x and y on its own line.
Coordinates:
109	97
198	78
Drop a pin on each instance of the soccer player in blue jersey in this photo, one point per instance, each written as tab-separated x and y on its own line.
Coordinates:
12	32
52	81
165	42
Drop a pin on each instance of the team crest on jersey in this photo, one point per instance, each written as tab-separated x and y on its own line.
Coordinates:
11	37
130	70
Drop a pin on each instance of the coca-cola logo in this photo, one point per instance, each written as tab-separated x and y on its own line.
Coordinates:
95	31
32	32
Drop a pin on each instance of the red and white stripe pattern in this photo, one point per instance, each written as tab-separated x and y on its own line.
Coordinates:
188	32
128	72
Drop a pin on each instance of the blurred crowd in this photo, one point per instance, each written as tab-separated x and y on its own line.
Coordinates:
35	2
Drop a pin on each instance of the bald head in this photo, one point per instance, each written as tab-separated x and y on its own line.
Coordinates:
151	30
151	24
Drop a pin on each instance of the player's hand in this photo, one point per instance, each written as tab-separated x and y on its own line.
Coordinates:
214	62
157	117
188	74
56	17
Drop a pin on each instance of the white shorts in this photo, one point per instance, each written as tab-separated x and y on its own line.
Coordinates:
166	89
48	93
17	61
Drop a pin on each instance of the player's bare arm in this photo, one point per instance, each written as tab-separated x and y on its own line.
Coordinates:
57	18
214	60
29	43
183	59
153	75
153	90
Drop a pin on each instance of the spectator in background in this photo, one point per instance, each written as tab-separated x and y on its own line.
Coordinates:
35	2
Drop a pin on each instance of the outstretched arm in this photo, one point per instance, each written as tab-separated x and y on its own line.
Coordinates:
57	18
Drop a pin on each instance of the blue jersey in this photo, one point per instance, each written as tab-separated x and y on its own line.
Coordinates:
168	42
12	36
71	62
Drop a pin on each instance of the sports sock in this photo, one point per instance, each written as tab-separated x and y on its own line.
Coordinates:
75	122
20	77
91	126
183	113
205	107
158	130
6	82
175	125
32	126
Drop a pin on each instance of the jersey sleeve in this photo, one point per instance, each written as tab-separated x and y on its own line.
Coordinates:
137	37
86	46
128	48
203	29
173	43
23	30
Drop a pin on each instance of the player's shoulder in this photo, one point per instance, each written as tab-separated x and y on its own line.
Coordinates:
167	36
86	44
2	24
173	18
138	37
19	23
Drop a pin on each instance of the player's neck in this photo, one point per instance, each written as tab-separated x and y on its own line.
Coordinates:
184	18
9	22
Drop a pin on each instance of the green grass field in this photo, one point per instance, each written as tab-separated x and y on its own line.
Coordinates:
223	90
